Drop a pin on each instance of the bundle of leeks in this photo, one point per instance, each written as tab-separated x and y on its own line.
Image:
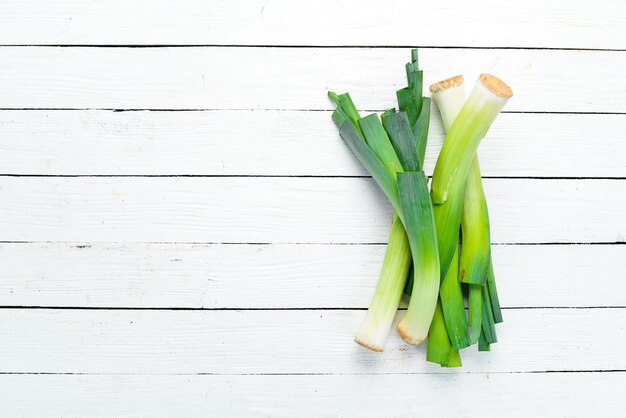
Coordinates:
424	235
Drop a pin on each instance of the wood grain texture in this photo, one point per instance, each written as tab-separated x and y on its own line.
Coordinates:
295	78
281	276
528	23
285	143
546	395
319	341
250	327
286	210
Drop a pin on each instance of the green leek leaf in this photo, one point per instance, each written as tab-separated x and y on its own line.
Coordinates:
419	224
379	143
399	130
371	162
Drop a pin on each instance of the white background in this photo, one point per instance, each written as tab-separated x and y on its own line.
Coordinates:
183	233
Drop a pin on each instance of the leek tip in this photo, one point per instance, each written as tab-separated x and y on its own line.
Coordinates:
334	97
414	55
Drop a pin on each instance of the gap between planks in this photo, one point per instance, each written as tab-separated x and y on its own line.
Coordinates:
527	48
456	372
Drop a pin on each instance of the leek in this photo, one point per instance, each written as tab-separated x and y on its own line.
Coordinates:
379	317
439	349
493	294
411	200
420	226
384	305
488	97
449	96
424	236
476	249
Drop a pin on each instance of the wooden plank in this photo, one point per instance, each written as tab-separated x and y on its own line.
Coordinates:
286	210
285	143
295	78
318	341
528	23
281	276
510	395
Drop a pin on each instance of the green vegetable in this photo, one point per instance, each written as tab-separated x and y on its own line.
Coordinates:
393	275
450	175
467	201
453	306
476	250
424	235
420	226
382	310
439	349
475	311
493	294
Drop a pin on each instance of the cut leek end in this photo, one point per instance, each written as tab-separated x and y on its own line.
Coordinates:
454	359
411	334
496	86
457	80
483	105
375	329
373	347
483	345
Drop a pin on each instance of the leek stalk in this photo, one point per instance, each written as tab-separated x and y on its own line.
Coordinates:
481	108
378	319
476	249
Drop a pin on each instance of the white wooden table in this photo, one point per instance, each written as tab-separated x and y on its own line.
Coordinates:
183	233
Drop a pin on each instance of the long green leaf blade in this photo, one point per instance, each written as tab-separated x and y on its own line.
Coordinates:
345	103
476	250
371	162
488	325
453	306
439	346
483	345
475	311
379	143
420	130
415	79
419	224
408	104
493	294
399	130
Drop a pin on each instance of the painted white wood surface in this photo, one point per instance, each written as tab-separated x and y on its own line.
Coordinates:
296	78
291	341
524	395
281	275
518	23
145	304
290	143
286	210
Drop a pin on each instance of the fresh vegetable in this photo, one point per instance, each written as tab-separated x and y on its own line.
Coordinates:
476	247
424	235
393	275
411	200
479	111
